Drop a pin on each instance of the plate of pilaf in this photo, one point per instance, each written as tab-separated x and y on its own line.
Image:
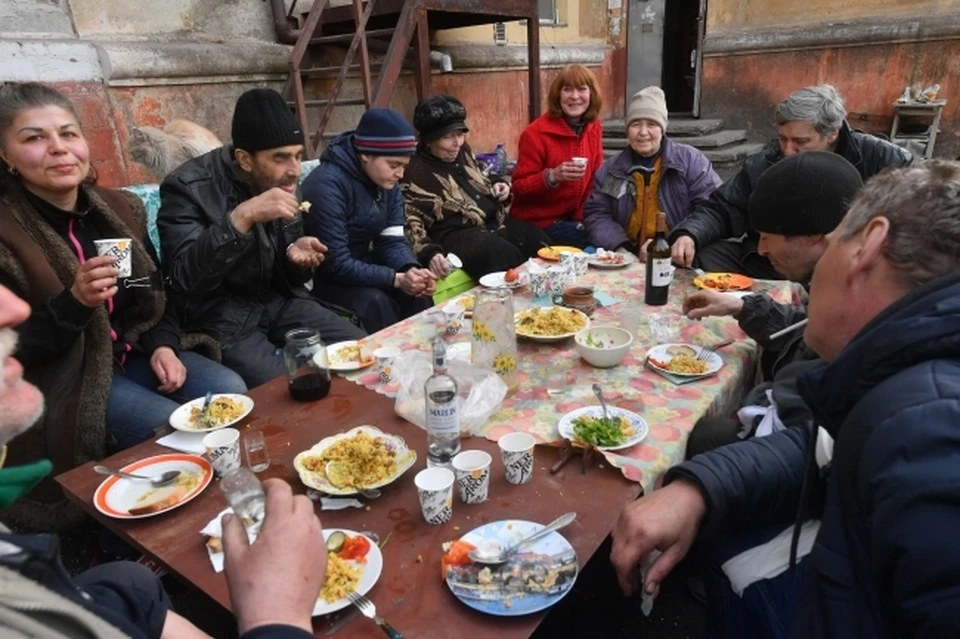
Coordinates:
685	360
362	458
347	575
226	409
549	324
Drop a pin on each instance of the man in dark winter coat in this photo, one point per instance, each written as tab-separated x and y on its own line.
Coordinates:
233	242
357	211
795	205
878	479
718	235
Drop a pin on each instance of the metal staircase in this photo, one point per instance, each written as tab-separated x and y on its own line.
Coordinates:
407	24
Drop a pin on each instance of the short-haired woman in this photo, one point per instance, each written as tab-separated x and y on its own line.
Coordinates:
559	153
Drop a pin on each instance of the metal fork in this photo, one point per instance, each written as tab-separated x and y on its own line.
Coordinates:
706	352
369	610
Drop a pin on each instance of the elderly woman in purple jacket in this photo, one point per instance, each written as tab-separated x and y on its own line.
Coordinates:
653	174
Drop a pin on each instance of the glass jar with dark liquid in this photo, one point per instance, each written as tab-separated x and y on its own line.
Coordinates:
308	374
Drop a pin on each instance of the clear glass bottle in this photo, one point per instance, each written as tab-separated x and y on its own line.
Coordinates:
493	338
442	412
308	374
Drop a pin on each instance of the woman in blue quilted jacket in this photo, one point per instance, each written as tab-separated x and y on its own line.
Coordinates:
357	212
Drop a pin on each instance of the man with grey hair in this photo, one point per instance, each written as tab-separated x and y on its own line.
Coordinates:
875	514
717	236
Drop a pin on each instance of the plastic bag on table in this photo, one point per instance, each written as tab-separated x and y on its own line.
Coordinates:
481	391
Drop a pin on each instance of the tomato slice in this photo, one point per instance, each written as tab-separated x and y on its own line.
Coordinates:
355	548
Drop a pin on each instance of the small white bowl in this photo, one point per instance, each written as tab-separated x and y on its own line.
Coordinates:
614	345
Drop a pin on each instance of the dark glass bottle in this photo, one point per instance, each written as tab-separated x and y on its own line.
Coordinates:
659	267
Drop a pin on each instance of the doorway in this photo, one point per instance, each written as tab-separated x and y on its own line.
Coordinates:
664	47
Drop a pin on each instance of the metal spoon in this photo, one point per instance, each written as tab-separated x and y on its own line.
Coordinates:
162	480
487	556
599	393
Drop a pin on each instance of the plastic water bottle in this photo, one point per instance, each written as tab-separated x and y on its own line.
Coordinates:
501	159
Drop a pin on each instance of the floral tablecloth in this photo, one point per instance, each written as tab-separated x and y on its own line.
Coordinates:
669	410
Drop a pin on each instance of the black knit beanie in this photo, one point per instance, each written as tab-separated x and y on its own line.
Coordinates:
807	194
262	120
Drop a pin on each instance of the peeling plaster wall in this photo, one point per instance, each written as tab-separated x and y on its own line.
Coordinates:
757	52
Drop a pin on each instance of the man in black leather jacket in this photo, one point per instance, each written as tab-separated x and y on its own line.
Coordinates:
233	243
718	236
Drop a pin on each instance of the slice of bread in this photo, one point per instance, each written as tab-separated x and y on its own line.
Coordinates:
162	501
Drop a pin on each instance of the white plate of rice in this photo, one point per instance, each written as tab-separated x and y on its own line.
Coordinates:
226	409
338	580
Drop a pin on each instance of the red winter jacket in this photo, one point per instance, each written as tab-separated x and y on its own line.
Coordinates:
545	144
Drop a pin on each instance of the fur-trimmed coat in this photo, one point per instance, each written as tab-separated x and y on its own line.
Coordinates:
39	265
440	197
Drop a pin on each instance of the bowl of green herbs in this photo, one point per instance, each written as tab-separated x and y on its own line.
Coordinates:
603	346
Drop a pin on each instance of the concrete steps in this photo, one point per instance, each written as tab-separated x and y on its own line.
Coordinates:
725	148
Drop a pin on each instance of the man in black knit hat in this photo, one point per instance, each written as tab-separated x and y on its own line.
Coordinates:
233	243
795	204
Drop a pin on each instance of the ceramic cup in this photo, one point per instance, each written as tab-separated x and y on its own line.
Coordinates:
386	356
517	452
538	283
435	489
580	298
556	279
222	450
472	468
453	318
122	249
581	261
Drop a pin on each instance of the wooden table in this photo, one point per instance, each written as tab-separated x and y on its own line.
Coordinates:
410	593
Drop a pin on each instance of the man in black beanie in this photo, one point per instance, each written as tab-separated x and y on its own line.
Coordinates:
233	243
795	204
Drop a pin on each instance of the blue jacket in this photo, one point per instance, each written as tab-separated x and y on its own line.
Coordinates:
360	223
687	182
886	562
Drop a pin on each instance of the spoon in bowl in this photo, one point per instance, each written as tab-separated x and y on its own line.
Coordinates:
490	556
160	480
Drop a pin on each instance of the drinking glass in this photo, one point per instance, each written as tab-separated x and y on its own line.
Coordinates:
556	378
255	450
244	493
308	374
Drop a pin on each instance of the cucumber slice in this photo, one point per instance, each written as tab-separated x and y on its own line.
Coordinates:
335	541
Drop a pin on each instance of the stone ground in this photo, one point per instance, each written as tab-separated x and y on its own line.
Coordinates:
595	609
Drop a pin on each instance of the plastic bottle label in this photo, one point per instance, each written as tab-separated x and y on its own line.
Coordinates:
443	420
662	272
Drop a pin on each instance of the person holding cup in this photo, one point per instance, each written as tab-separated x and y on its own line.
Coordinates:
559	153
105	348
652	174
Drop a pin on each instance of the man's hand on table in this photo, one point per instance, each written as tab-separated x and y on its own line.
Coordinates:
276	579
707	303
667	520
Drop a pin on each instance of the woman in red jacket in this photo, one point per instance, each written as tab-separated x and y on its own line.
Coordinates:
559	152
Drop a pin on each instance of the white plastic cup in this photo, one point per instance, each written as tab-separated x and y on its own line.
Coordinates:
579	161
222	450
517	452
386	356
472	468
122	249
435	489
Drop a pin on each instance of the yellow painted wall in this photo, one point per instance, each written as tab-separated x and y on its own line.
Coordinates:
568	32
744	15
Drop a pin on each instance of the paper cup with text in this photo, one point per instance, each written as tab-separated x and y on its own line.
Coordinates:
538	283
435	489
579	161
222	450
472	468
569	262
517	451
557	279
120	248
581	261
386	356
